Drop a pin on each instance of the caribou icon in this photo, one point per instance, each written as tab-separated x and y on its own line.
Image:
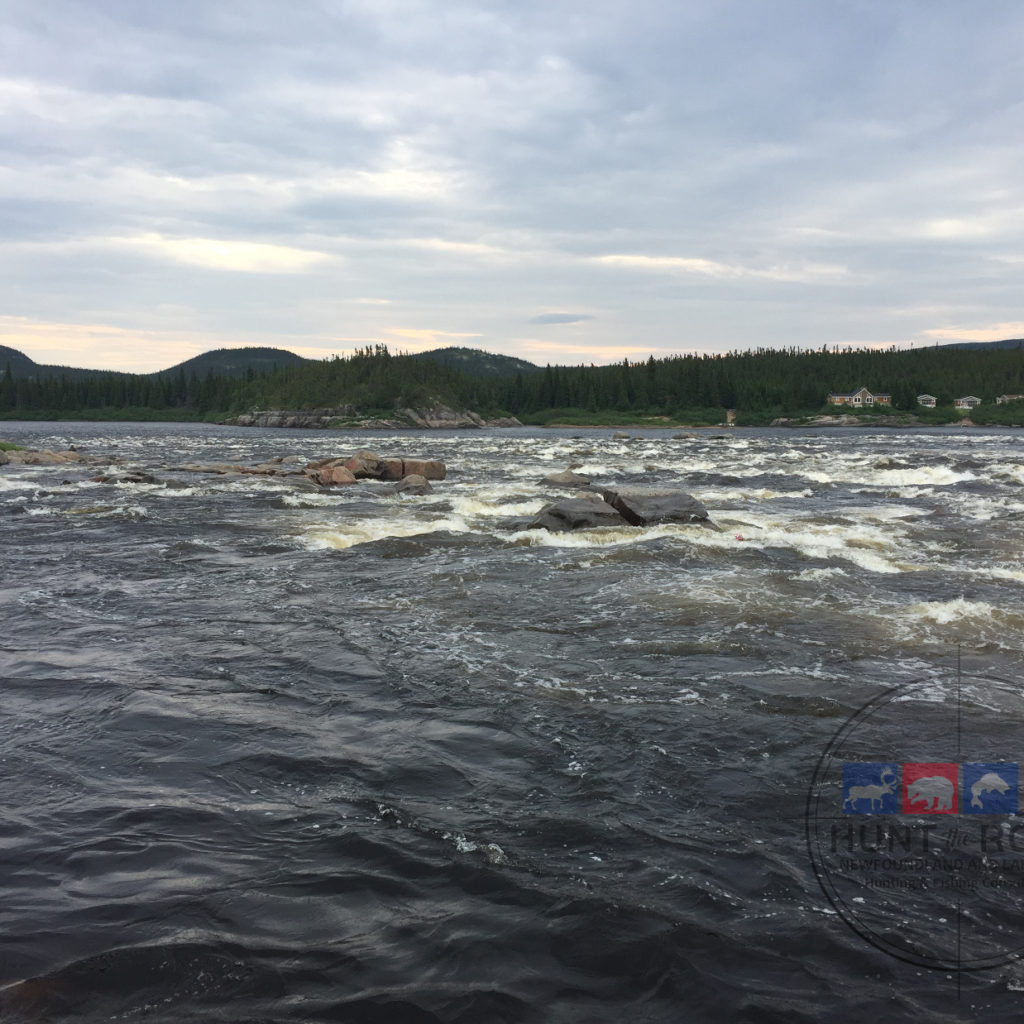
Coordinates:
934	791
872	793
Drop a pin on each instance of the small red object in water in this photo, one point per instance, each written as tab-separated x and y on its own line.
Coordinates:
739	536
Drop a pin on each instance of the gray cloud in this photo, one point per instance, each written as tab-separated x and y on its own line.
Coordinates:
560	318
753	172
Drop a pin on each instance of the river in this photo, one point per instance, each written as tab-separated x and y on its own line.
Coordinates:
272	753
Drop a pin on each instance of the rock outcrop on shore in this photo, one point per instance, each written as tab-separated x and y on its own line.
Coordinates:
348	417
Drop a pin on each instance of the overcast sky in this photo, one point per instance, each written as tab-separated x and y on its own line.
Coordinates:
565	181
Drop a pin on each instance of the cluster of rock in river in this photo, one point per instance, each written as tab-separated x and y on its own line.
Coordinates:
410	476
589	507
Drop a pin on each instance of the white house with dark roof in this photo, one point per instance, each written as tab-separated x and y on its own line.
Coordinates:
928	400
967	402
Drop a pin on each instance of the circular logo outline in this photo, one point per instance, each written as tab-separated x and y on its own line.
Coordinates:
839	904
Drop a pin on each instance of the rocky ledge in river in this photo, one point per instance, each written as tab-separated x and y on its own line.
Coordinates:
348	417
605	506
45	457
413	474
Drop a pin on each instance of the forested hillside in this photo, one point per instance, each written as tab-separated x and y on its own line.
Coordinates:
759	385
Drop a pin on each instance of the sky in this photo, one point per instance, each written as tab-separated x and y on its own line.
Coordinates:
568	182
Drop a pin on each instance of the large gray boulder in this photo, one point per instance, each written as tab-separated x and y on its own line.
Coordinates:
576	514
649	506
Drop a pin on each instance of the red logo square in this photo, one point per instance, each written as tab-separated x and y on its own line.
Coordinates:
930	788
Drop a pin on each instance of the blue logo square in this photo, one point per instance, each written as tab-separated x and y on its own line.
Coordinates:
991	788
871	787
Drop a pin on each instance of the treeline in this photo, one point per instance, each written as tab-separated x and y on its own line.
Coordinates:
771	381
759	384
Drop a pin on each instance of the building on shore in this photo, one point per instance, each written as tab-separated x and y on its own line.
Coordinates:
967	402
860	397
1003	399
927	400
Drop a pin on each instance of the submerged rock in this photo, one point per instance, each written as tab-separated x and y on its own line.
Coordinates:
220	468
567	478
125	478
413	484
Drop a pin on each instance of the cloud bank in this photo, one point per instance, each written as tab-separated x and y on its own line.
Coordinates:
709	177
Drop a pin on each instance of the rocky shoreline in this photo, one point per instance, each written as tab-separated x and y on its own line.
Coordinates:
347	417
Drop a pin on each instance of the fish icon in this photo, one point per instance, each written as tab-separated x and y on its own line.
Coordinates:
988	783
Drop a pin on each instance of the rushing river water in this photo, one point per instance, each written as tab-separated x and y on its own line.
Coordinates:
273	753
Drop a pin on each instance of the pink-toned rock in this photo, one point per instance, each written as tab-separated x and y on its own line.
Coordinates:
369	466
364	465
429	469
391	469
333	474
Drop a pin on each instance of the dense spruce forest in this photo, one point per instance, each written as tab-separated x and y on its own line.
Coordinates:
759	385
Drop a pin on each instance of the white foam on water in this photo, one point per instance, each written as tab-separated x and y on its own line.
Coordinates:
711	496
957	610
310	499
474	506
884	513
999	573
366	531
1014	473
867	546
867	476
821	574
17	483
176	492
600	537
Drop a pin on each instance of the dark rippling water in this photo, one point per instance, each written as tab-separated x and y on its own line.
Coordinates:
275	754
